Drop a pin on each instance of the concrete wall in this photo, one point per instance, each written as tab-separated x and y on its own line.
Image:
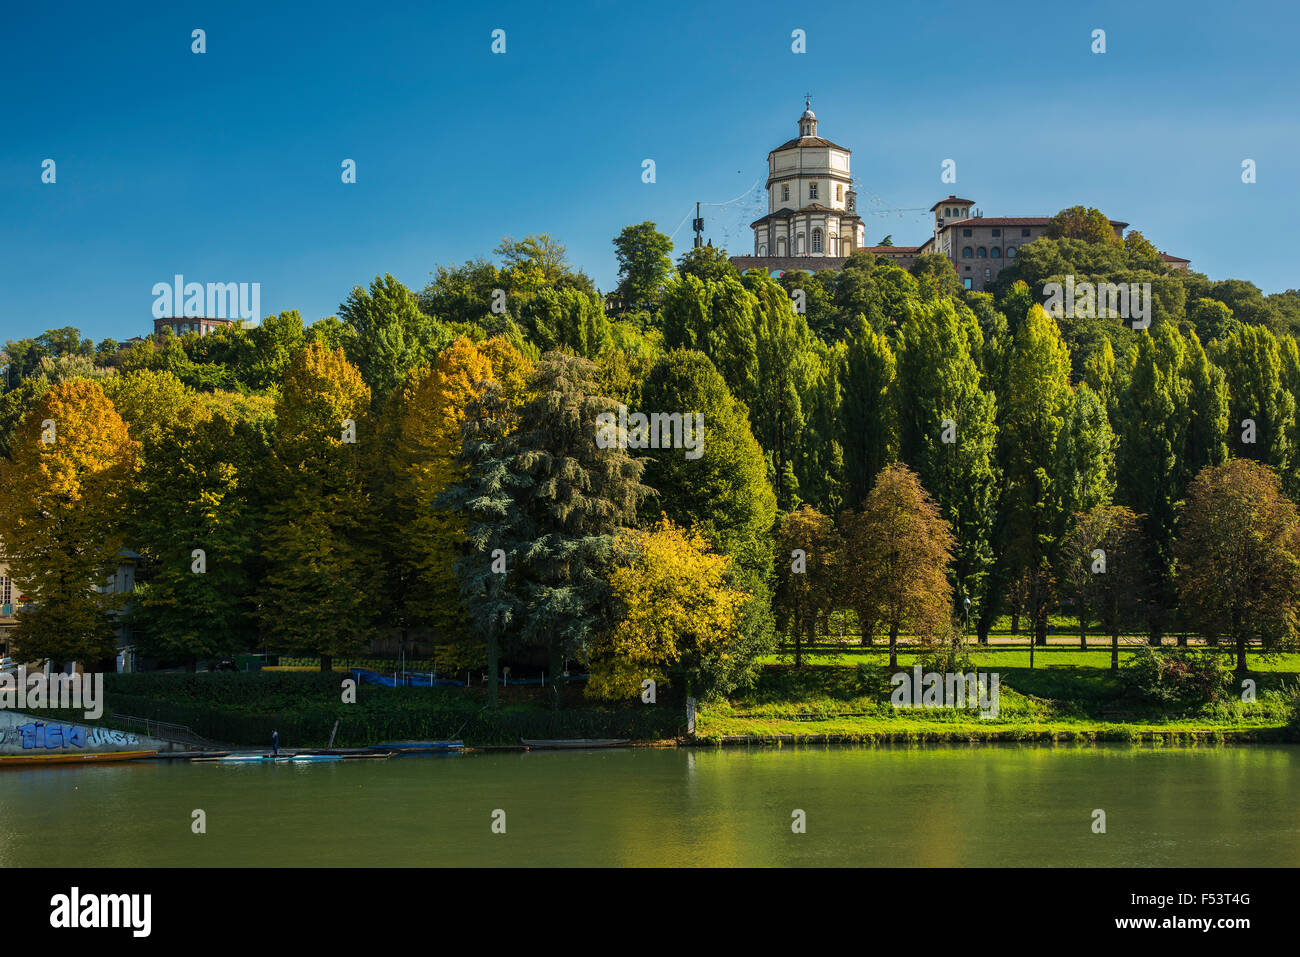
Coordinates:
30	735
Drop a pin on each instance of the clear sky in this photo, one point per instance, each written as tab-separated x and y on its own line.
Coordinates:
225	166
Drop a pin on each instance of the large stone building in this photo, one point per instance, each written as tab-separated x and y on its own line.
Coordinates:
812	221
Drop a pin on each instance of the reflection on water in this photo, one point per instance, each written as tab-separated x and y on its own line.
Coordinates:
946	806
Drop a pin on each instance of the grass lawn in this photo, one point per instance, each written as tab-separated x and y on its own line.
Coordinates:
1069	695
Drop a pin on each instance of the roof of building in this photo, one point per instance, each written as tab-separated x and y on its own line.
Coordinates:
808	141
951	199
1173	259
1014	221
785	212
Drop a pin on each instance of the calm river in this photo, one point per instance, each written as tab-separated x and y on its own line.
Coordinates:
957	805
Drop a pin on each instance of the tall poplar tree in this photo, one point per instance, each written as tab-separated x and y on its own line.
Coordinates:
868	417
1037	401
947	435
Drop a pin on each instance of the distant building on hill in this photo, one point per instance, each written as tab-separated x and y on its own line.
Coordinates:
812	221
180	325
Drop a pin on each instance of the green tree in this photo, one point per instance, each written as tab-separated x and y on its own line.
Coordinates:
1103	570
194	519
1085	223
1261	410
1037	405
947	434
389	334
644	264
868	416
550	498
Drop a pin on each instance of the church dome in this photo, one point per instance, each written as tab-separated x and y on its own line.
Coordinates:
808	121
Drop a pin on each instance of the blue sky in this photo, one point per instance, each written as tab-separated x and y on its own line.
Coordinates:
226	166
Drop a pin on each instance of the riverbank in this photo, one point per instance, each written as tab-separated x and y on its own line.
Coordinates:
837	696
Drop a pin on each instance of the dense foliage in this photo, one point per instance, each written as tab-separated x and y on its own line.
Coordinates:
498	470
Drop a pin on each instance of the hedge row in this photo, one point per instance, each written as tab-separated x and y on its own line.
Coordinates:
310	727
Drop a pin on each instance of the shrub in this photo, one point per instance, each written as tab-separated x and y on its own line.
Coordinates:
947	652
1177	678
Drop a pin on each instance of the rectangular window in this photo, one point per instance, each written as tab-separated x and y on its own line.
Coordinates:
839	191
997	232
6	590
965	232
812	190
1024	232
785	192
966	282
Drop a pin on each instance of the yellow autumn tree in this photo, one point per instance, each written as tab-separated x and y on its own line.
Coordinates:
425	417
315	598
62	493
675	611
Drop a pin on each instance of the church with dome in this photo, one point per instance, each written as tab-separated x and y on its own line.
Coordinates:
812	220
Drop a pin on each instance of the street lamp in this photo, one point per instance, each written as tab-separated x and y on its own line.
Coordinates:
966	603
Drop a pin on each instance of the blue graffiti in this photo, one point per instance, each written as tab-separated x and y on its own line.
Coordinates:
51	736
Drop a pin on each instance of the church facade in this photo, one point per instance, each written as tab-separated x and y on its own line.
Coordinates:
812	221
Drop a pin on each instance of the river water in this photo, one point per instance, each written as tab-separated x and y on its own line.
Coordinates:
891	806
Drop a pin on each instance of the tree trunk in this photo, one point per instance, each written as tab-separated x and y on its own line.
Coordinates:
868	633
326	662
492	666
1015	621
1114	650
557	672
893	644
1083	634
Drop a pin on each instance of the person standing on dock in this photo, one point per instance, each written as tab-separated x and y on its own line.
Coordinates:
275	743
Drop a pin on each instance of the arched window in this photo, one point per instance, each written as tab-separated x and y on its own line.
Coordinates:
762	250
966	252
996	252
780	246
981	253
817	241
1011	252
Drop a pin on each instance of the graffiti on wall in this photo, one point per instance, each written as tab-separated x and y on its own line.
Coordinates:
38	735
